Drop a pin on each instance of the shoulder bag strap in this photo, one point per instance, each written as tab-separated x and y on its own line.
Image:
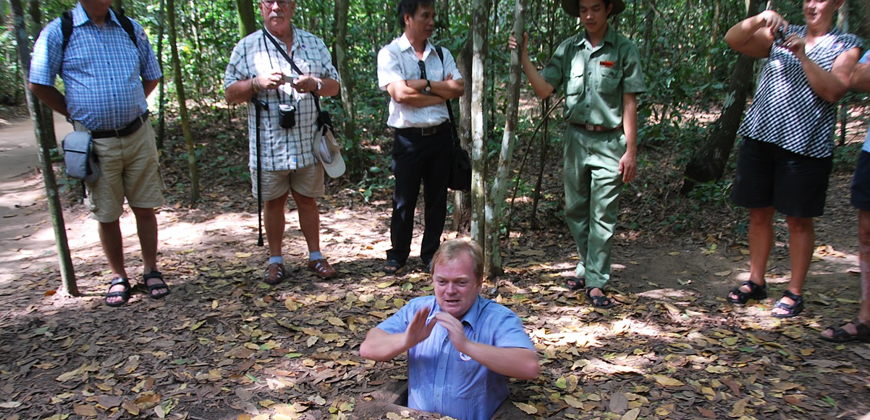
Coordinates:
448	103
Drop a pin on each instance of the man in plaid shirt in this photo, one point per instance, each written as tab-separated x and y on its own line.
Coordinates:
107	77
259	70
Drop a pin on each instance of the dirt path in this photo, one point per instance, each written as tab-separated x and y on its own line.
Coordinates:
26	235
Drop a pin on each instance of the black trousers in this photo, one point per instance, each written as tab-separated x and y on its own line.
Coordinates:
419	158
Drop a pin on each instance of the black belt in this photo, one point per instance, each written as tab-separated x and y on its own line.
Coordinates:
424	131
123	131
598	128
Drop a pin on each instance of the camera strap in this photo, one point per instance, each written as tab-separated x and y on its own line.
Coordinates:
292	64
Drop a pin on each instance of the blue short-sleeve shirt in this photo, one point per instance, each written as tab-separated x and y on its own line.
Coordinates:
445	381
102	69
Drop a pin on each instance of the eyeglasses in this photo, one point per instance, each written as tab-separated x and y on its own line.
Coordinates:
422	69
270	3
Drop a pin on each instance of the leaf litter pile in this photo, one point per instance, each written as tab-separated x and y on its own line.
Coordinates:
224	345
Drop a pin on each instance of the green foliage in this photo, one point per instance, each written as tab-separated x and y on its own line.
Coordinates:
10	72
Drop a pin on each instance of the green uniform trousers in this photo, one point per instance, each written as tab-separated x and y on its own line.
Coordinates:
592	187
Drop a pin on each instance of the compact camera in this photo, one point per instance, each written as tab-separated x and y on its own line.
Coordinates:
287	115
778	36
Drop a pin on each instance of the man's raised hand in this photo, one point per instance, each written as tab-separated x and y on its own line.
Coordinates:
418	330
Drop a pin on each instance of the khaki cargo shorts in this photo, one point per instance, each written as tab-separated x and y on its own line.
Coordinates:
307	181
129	167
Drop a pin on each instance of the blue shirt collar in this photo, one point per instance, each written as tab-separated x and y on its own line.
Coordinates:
470	317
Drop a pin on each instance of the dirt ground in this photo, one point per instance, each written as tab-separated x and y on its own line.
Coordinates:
224	345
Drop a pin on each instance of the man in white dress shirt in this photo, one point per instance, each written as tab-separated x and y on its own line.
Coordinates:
420	83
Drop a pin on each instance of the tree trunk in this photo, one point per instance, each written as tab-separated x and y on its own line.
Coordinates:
708	162
247	17
648	30
161	93
2	12
68	278
479	31
182	105
43	112
495	200
461	200
347	83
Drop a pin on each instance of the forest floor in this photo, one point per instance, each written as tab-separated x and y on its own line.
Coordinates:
224	345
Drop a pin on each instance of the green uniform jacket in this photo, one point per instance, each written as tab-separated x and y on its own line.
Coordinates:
594	79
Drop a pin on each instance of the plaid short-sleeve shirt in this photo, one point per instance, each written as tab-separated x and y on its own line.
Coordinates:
101	68
281	149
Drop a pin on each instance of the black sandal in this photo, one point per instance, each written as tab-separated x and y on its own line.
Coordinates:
155	286
598	301
575	283
840	335
123	294
393	267
791	310
755	292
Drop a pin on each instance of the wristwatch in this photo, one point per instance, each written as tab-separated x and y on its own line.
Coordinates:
428	87
319	85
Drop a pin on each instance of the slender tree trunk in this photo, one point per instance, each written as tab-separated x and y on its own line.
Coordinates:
347	83
247	17
182	105
479	31
43	112
161	93
67	273
495	200
709	160
648	30
461	200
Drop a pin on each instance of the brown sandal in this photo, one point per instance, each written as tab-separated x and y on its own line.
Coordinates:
275	274
322	268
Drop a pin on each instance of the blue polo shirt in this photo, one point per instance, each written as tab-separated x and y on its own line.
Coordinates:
102	70
445	381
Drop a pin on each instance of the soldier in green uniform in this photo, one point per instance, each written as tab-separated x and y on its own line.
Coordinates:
600	73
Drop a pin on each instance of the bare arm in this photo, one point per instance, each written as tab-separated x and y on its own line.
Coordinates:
753	36
861	77
328	86
382	346
829	85
149	86
540	86
51	97
243	90
628	162
514	362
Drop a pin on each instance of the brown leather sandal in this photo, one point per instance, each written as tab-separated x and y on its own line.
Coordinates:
322	268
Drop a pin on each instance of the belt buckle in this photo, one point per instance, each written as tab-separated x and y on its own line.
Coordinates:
589	127
428	131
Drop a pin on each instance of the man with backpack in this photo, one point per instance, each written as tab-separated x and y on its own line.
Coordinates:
108	69
420	79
